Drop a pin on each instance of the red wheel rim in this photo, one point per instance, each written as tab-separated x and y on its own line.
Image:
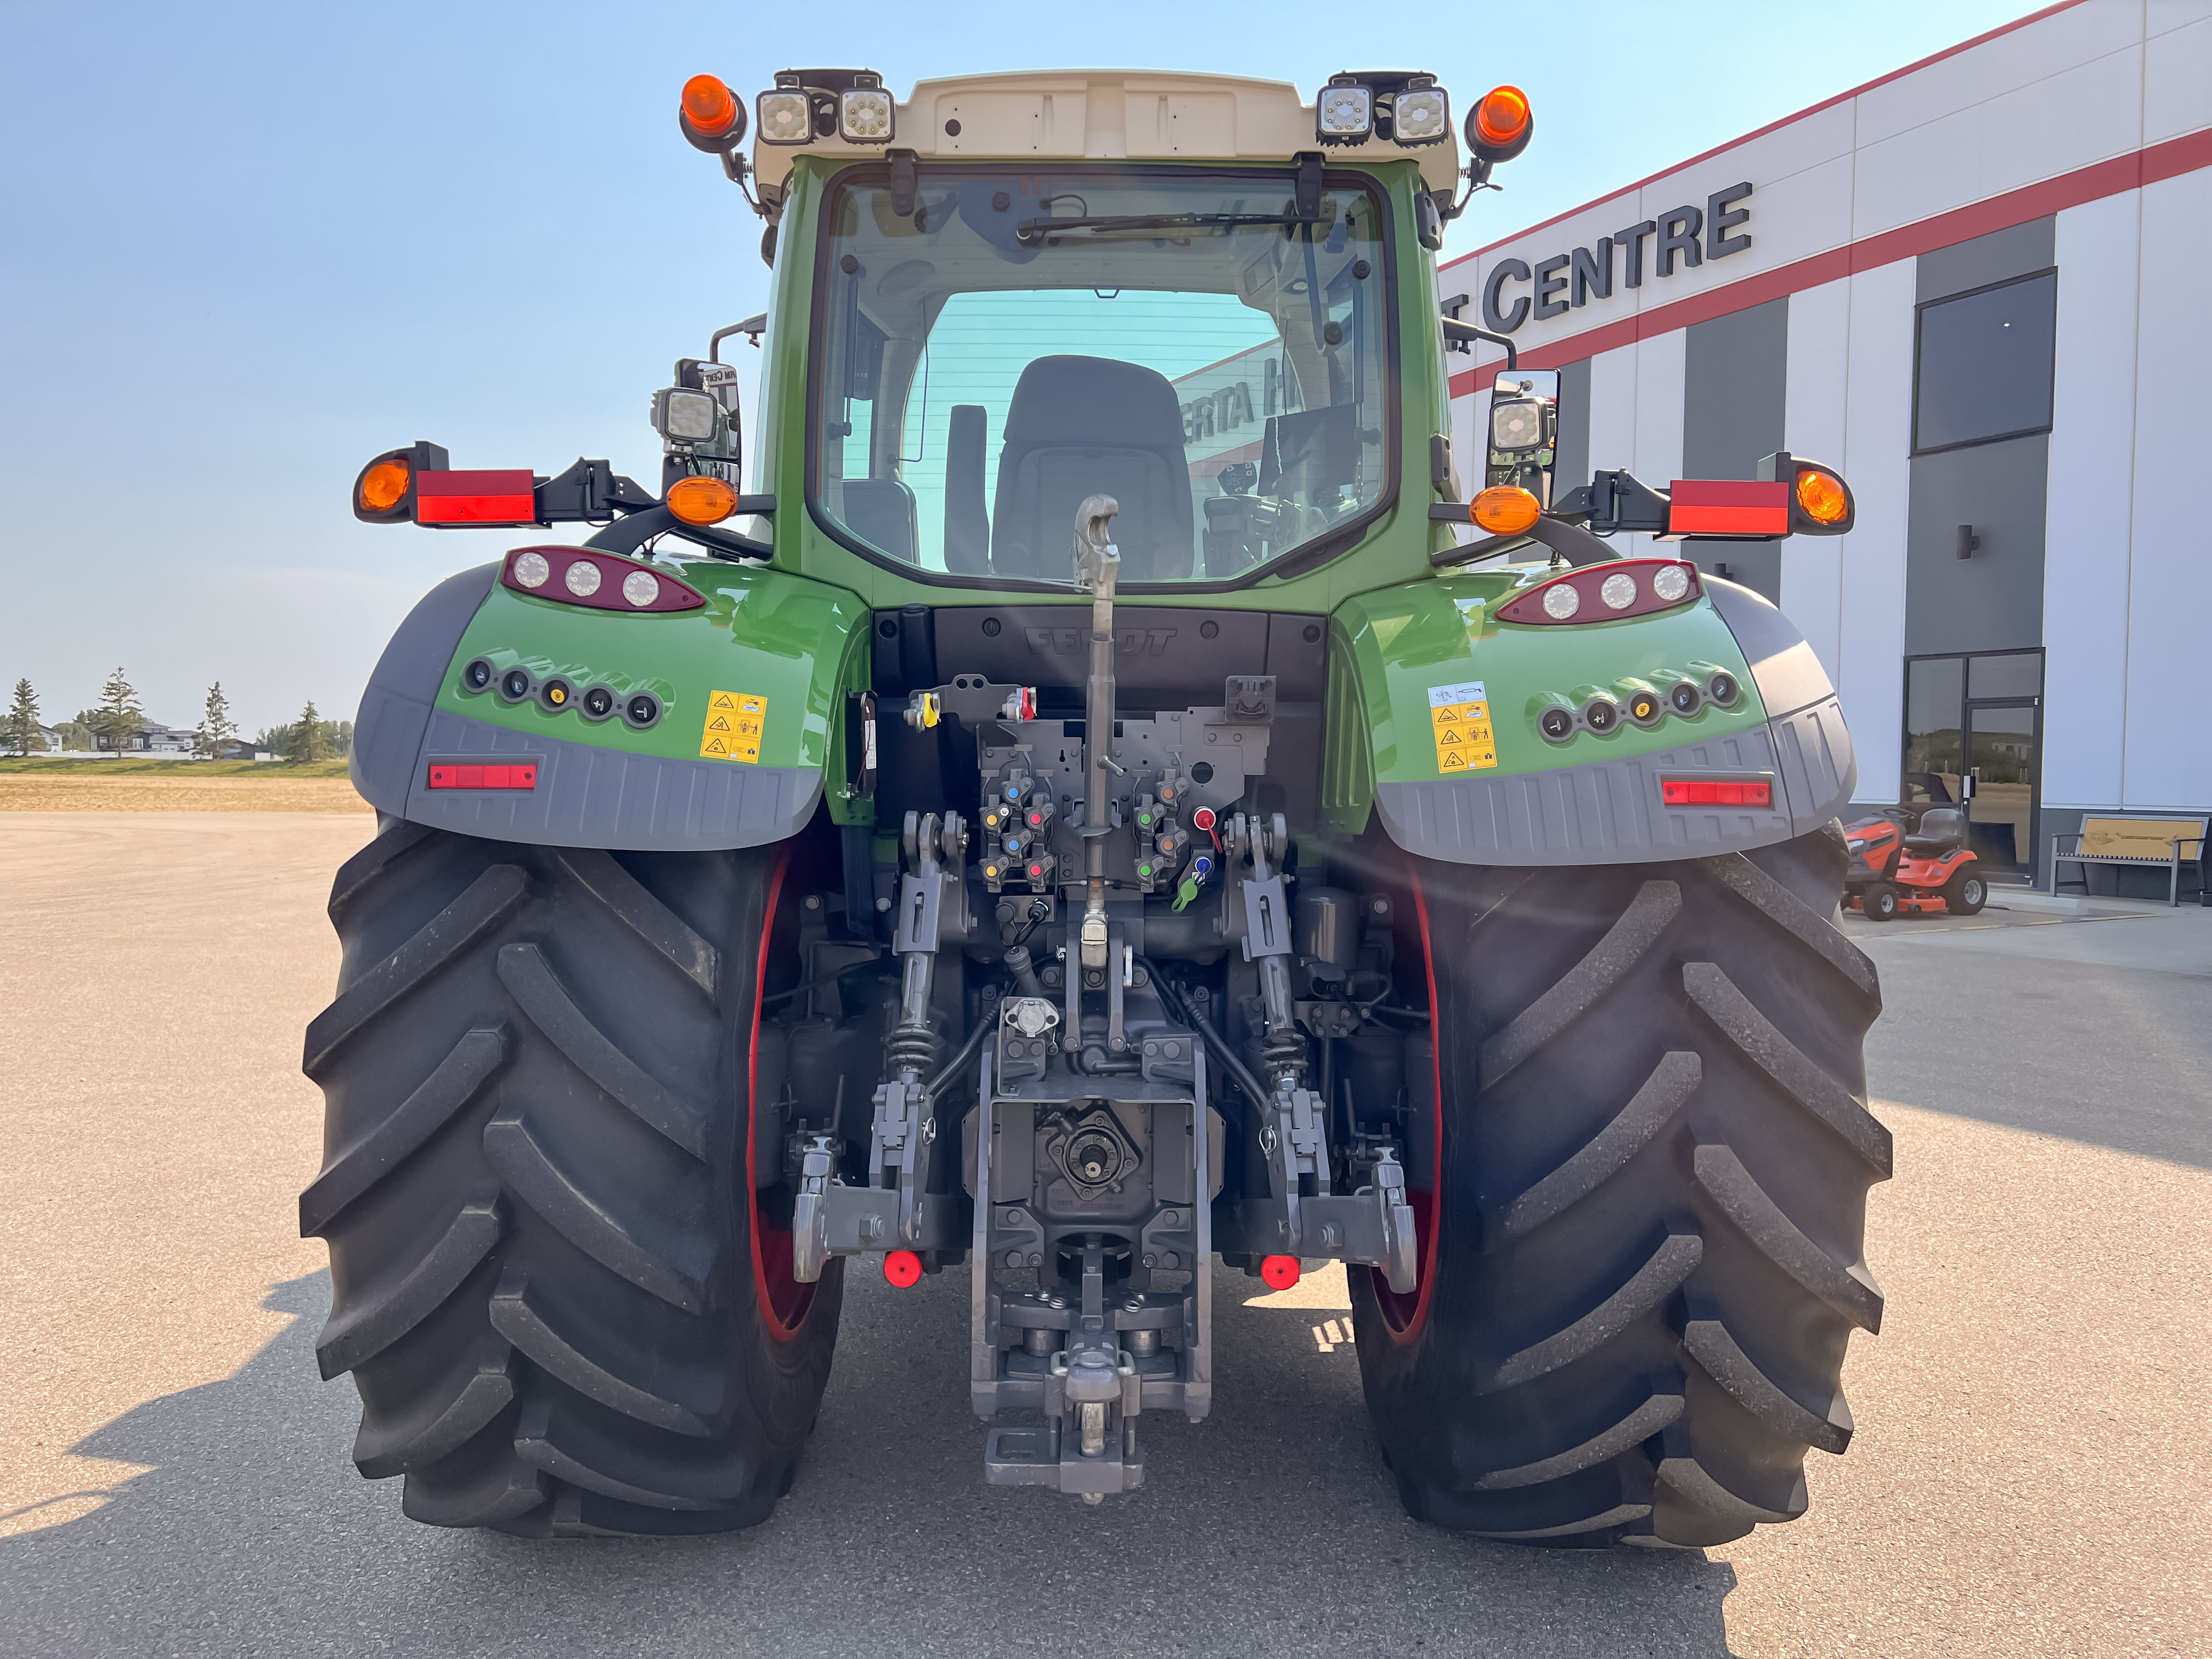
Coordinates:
1404	1316
783	1301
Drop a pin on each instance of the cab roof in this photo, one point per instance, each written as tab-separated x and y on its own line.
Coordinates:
1102	115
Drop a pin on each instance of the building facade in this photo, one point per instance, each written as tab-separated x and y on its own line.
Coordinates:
1977	286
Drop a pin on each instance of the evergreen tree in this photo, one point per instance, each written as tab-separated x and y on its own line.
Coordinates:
216	729
307	740
22	723
118	718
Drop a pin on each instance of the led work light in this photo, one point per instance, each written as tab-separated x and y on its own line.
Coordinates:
1343	113
1421	116
864	115
786	117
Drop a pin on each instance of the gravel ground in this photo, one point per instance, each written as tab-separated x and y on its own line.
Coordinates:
173	1476
49	792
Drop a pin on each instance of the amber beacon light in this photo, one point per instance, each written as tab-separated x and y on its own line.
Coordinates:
1499	126
712	117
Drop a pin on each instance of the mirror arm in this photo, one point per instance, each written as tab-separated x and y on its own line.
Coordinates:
1568	542
627	534
1455	330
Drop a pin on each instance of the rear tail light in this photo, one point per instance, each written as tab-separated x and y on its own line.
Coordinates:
483	774
1716	792
1625	587
598	581
502	496
1717	507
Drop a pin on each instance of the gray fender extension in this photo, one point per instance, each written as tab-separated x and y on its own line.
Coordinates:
1611	812
587	795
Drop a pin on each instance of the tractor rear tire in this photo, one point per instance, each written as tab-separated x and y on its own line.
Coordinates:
1653	1151
548	1275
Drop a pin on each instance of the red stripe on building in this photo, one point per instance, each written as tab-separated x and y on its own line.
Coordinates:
2170	159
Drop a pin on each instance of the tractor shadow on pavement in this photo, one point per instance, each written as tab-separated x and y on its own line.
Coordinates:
1272	1528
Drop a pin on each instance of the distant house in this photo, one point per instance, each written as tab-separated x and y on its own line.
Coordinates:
151	738
51	739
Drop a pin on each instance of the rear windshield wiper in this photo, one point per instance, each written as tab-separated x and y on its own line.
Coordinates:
1031	230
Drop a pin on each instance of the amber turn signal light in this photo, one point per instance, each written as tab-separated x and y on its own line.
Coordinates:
1506	510
702	500
384	486
1821	497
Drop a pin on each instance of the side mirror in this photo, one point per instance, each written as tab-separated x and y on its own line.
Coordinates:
697	421
1522	433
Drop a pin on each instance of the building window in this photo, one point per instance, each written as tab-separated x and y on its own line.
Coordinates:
1983	364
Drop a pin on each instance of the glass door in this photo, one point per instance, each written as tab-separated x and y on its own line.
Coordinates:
2003	759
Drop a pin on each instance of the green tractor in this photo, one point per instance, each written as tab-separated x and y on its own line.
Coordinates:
1117	795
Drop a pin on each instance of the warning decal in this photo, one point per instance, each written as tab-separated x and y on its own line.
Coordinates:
1459	716
735	720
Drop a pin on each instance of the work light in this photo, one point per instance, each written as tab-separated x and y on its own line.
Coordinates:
1343	113
786	117
1422	116
864	115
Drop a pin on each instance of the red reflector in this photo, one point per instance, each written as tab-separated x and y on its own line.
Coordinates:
455	774
504	496
1726	507
902	1268
1280	1272
1716	792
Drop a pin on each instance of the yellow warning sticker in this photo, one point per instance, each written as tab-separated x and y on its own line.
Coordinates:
735	722
1459	717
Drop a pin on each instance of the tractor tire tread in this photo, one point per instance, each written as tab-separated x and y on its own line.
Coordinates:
463	1070
535	1193
1649	1216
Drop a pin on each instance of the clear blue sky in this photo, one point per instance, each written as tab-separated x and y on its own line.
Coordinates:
247	245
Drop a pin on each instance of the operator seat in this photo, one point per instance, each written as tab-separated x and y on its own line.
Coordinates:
1942	828
1090	426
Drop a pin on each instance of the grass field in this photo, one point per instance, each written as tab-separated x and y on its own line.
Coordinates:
151	784
162	766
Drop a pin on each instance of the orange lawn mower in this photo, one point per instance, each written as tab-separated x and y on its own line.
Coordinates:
1902	867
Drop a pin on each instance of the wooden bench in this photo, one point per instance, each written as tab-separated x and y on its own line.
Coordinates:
2141	843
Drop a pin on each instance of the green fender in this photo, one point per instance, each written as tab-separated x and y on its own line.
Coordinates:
770	649
1433	712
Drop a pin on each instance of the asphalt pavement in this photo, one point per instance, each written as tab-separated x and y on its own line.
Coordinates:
2026	1478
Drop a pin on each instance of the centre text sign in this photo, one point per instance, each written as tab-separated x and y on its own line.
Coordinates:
1682	238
